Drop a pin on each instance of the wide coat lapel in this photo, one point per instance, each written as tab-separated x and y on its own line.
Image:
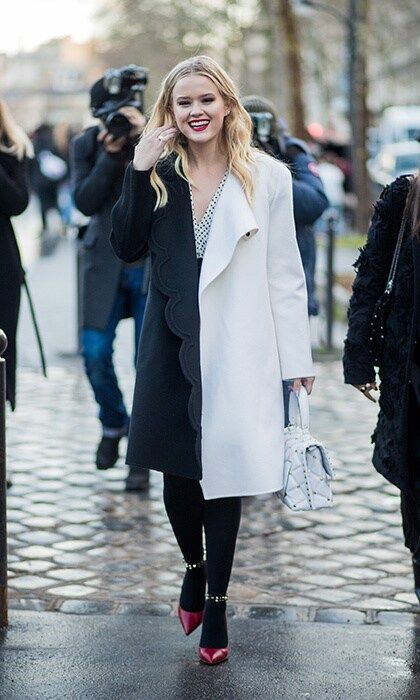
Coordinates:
233	219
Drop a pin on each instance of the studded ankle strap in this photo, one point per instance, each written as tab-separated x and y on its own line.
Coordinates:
217	598
191	567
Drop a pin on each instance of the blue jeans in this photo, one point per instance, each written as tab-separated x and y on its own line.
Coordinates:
97	349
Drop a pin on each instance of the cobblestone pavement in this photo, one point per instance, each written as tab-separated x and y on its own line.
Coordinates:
78	542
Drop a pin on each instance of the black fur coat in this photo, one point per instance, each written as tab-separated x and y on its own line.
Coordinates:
390	455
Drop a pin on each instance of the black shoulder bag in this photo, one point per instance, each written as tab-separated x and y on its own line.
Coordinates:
382	306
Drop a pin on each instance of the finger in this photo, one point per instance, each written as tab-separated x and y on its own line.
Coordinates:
164	138
115	142
129	110
161	129
296	385
109	139
308	384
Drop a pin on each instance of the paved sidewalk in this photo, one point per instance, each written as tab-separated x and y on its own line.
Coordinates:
77	539
75	534
47	656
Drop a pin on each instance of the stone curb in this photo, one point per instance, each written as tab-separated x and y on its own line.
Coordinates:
285	613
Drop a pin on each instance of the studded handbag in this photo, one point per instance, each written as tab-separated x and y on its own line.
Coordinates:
308	470
382	306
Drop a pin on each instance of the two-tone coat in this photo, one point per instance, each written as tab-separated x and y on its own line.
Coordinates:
216	344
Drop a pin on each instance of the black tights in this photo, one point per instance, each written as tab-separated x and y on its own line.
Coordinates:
410	501
188	514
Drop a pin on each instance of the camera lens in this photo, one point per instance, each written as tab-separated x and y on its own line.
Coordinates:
117	124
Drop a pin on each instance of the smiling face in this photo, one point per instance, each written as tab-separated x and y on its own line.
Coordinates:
198	108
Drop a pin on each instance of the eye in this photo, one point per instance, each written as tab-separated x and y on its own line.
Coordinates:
208	99
183	104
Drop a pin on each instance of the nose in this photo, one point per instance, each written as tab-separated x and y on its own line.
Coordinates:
196	109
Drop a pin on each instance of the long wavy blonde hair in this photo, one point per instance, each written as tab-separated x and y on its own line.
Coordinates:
13	139
236	132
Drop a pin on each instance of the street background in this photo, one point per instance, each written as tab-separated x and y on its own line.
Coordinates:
321	604
75	533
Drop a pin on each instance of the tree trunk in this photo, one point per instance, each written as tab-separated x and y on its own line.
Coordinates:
359	114
292	49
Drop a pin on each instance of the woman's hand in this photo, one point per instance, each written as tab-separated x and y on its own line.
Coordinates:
151	146
366	389
307	382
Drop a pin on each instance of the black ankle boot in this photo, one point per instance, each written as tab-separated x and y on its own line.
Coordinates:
416	571
137	479
107	452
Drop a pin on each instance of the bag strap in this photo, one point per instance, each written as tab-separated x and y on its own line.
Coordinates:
36	327
299	408
396	256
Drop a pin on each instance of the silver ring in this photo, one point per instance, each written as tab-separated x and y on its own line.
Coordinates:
160	138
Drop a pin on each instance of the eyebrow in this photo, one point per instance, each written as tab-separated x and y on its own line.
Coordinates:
187	97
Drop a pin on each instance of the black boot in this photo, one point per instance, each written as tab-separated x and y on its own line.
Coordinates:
107	452
416	570
137	479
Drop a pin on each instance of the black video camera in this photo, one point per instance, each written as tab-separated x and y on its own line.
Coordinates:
262	123
126	85
275	138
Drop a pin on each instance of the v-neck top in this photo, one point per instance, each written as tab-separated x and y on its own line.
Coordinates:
202	227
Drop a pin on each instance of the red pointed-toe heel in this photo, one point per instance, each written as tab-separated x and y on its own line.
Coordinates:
190	620
212	656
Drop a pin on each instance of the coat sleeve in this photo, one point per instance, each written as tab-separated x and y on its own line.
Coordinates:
132	215
287	286
92	184
372	267
14	189
309	198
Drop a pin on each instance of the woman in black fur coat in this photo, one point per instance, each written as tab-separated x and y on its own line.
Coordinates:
397	434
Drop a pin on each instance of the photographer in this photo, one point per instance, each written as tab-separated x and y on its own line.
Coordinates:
309	199
109	289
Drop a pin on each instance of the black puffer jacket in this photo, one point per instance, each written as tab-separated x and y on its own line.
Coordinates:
390	436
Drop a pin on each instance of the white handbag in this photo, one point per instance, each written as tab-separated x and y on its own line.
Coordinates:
308	471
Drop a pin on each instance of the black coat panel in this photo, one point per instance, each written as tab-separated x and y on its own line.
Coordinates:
97	178
165	423
14	197
390	455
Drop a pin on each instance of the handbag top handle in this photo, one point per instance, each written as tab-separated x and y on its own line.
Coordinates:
299	408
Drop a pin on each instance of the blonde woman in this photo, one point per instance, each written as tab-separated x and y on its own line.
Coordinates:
226	320
15	147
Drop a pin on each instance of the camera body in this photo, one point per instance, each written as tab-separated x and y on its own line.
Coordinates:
274	138
263	124
126	85
268	135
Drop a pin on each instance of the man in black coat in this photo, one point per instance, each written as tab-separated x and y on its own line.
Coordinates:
309	198
109	289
